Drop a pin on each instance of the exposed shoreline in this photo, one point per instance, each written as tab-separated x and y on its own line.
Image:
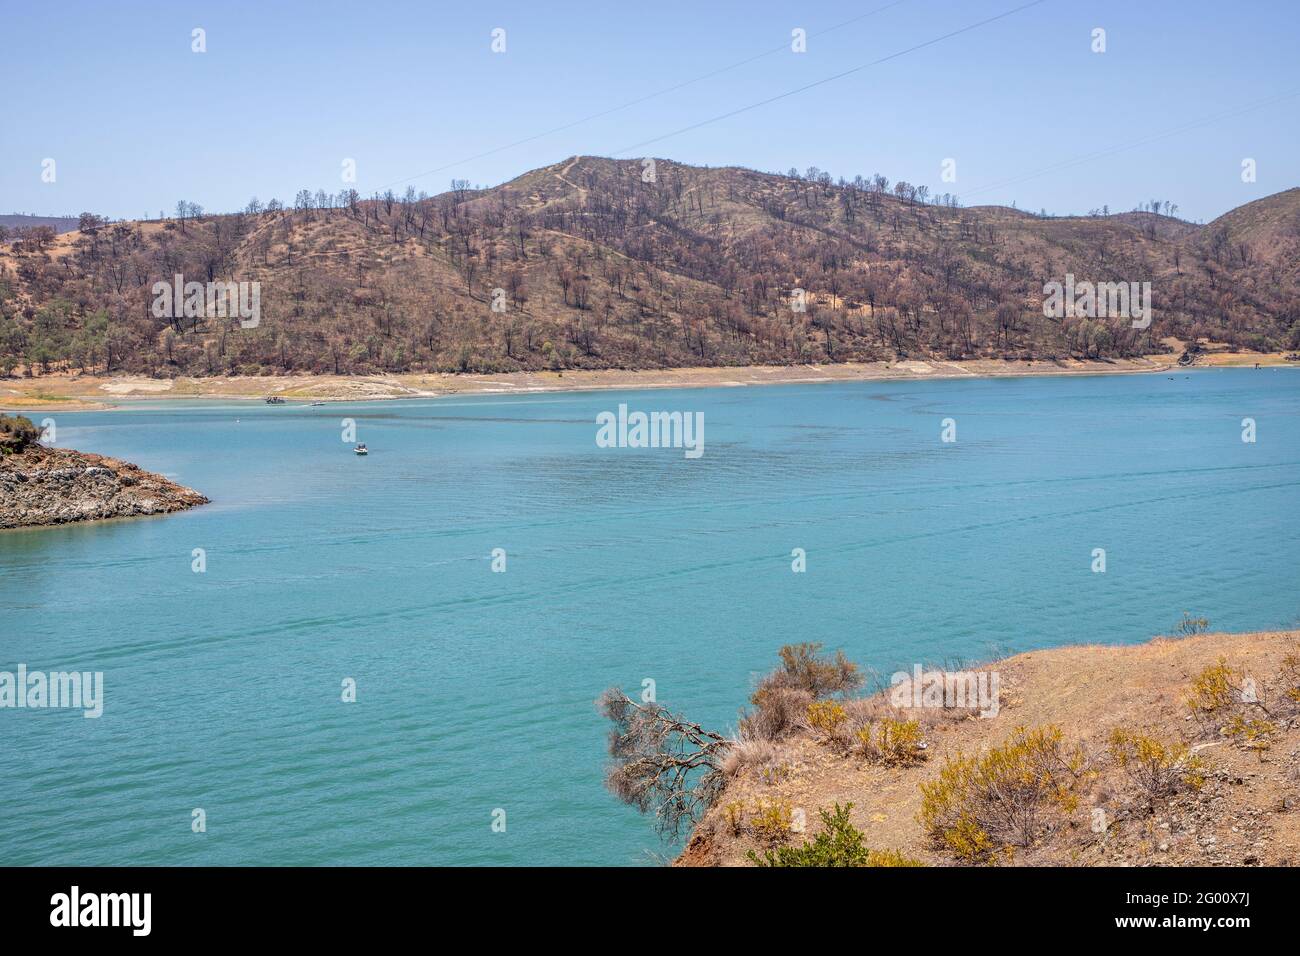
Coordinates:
66	392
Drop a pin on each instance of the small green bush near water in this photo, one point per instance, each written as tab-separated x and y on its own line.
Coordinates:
840	844
1193	625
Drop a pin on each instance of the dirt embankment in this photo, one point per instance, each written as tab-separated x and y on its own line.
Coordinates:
48	486
1246	811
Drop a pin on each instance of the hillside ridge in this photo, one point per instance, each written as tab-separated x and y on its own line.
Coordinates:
595	263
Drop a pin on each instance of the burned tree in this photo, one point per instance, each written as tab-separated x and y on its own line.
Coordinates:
662	763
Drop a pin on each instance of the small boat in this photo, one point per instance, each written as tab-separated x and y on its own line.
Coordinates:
314	404
361	449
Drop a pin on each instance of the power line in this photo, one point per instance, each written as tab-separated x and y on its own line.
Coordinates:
641	99
828	79
1078	160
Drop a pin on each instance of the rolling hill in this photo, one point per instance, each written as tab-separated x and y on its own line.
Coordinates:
586	264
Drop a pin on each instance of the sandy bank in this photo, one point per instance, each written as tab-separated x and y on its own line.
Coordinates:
64	392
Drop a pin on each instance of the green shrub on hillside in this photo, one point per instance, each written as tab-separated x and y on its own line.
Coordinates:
1214	689
16	433
984	807
894	741
840	844
1156	768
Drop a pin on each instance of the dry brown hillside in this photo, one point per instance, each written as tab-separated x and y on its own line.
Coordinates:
591	266
1208	772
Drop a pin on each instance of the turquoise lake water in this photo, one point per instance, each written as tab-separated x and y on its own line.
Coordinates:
475	689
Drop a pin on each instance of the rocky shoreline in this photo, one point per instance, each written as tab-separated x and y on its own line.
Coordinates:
49	486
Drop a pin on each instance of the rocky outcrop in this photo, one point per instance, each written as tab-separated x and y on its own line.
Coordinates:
46	486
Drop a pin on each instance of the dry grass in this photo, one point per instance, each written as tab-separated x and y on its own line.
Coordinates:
1247	809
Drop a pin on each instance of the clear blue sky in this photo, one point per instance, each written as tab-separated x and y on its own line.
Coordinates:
286	91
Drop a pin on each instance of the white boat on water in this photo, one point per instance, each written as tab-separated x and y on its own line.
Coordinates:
361	449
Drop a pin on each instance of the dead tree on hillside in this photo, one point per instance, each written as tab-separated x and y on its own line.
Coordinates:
662	763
